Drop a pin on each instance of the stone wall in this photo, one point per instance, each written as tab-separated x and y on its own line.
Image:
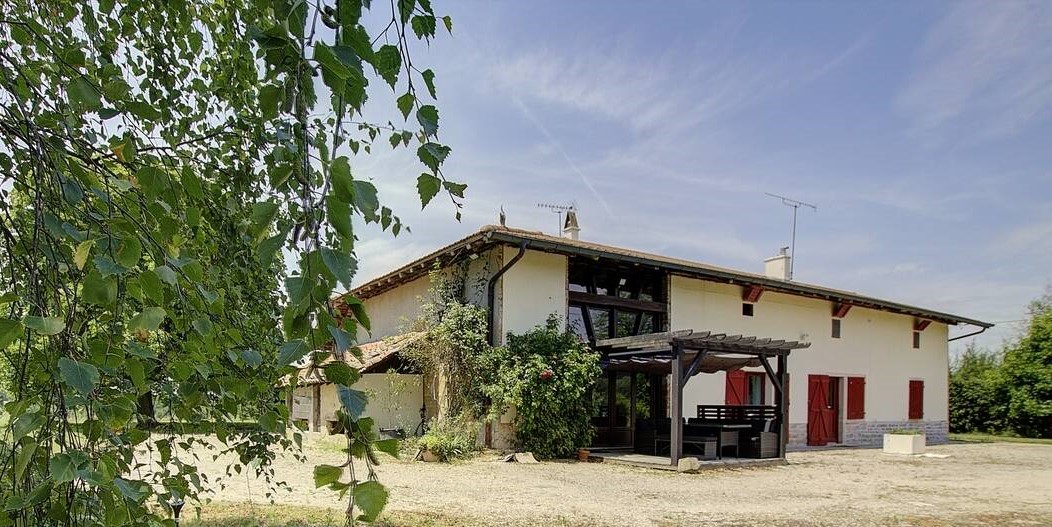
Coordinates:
871	433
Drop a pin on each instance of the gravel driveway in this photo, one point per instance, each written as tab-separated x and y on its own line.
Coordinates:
977	484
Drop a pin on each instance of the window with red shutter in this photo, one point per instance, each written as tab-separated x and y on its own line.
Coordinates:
916	410
856	397
736	388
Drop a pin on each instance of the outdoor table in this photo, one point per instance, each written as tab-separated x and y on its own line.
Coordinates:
724	433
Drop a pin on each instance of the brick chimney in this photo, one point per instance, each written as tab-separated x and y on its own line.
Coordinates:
571	229
777	266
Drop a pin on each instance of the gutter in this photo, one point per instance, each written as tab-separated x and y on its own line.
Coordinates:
492	291
972	334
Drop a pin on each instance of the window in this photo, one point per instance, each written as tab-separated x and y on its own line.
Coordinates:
747	310
756	383
745	387
916	408
836	328
916	340
856	397
575	323
609	299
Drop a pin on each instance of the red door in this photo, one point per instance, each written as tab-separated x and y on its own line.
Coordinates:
821	410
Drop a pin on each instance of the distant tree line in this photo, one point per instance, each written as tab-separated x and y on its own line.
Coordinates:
1010	390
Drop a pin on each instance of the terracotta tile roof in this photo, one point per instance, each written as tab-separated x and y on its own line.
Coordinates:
375	356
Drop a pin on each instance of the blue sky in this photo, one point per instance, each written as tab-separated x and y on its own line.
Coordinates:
923	132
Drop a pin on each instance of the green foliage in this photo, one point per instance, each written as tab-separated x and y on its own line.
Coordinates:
454	347
1010	391
154	160
978	393
546	374
906	431
450	438
1027	369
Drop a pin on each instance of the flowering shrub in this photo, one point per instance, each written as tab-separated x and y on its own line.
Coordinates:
546	374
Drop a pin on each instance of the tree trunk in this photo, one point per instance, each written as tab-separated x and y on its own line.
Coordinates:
145	410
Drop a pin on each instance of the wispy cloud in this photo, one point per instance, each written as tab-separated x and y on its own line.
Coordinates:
984	71
558	147
664	91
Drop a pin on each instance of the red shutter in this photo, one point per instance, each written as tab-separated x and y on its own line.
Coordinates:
916	410
736	387
856	398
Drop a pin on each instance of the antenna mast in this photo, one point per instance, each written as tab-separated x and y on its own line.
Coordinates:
795	204
558	209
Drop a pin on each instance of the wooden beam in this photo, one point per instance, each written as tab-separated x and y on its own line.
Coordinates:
771	374
840	310
694	365
782	402
921	324
661	337
751	293
578	297
676	405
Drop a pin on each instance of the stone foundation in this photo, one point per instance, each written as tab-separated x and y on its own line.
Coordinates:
871	433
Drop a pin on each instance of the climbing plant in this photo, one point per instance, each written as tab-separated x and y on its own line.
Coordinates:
453	349
546	375
158	162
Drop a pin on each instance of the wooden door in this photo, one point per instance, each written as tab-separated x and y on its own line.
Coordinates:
817	409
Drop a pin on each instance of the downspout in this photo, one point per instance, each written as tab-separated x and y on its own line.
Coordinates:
972	334
492	292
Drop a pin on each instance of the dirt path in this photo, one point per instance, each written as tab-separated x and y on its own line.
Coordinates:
978	484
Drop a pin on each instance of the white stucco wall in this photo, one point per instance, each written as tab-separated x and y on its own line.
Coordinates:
394	400
873	344
390	311
534	287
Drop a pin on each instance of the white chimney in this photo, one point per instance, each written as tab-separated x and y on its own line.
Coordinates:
571	229
777	266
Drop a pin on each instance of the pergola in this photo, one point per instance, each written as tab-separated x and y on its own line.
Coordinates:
684	353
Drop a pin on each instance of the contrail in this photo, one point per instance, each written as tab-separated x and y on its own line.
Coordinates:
555	142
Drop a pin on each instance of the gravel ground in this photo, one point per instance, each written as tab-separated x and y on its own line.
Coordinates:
977	484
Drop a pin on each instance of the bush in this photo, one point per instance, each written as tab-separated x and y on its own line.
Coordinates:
546	374
450	438
978	393
1027	369
1008	392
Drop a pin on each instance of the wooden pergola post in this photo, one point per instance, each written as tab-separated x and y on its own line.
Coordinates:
675	388
782	402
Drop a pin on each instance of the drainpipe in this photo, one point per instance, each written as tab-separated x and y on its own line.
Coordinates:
972	334
492	291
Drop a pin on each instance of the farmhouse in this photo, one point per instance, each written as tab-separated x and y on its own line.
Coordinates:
696	358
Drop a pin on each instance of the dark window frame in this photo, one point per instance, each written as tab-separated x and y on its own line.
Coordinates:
633	300
748	309
835	332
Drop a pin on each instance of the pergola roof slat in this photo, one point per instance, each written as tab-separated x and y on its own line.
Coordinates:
656	349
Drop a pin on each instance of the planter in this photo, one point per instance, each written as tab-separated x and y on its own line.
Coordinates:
583	454
910	444
428	456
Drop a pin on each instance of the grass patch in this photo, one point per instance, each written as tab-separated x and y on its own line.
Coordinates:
992	438
222	514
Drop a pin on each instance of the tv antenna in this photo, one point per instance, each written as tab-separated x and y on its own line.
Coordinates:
560	210
795	204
